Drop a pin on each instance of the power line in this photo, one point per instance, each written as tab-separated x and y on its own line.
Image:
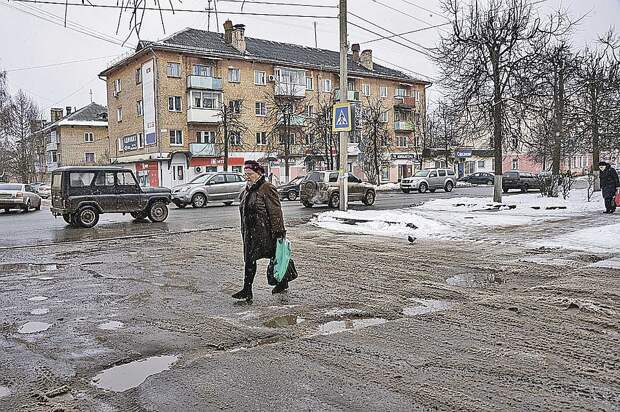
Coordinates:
392	40
404	33
402	12
405	69
277	3
58	64
173	10
424	8
389	31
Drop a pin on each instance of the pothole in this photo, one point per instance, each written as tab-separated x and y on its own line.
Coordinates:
45	278
283	321
33	327
337	326
28	267
40	311
111	325
37	298
4	391
426	306
474	280
344	312
131	375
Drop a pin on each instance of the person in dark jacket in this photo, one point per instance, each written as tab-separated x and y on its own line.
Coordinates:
262	225
610	185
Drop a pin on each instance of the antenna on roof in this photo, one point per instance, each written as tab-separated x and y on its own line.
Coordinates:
209	10
217	20
208	15
316	43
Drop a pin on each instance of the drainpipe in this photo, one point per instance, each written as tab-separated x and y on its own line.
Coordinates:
157	125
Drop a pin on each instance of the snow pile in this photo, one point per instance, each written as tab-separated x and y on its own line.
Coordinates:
388	187
595	239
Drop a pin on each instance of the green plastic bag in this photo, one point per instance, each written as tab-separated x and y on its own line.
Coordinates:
283	256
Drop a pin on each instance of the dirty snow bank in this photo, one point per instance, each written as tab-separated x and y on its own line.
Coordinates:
595	239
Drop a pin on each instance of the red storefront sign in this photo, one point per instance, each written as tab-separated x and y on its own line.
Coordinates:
216	161
152	170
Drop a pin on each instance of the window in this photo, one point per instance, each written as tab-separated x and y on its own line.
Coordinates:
440	164
119	114
234	138
174	103
385	174
173	69
333	177
515	164
89	157
139	75
234	76
290	140
140	138
309	83
53	157
177	172
401	92
237	169
105	179
442	173
327	85
139	108
117	86
451	173
89	137
260	78
366	89
217	179
81	179
202	70
383	91
384	117
234	106
401	141
207	137
309	139
176	138
261	109
126	179
515	143
206	100
310	110
480	164
432	174
261	138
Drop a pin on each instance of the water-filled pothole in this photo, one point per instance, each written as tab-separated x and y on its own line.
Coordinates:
337	326
474	280
33	327
40	311
4	391
283	321
130	375
344	312
425	306
28	267
111	325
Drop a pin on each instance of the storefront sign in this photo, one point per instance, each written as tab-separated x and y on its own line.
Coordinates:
404	156
130	142
463	153
148	102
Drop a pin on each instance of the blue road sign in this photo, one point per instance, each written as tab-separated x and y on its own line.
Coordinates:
341	117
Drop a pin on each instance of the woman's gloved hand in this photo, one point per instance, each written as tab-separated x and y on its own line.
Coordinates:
280	235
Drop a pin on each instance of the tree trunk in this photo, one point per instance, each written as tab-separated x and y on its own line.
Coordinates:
596	149
497	130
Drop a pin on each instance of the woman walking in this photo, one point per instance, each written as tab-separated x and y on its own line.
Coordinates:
610	185
262	225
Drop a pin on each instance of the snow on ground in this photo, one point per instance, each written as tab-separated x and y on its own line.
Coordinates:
595	239
388	187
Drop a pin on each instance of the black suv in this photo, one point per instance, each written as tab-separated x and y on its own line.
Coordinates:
290	190
523	181
80	194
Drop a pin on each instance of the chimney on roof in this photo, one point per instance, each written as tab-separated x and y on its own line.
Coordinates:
68	108
366	59
355	48
235	35
55	114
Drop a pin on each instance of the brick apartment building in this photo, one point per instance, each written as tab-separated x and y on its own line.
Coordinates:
165	102
79	138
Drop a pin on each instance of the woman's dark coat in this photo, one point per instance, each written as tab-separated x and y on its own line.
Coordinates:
261	220
609	182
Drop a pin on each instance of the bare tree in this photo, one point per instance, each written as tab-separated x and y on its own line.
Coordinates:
487	54
24	146
447	129
5	100
232	129
324	141
375	141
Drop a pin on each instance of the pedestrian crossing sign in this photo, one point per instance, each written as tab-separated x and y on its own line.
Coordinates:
341	117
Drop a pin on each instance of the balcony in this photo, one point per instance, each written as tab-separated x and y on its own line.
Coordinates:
289	89
204	82
296	120
52	166
404	102
352	95
403	126
203	149
50	147
195	115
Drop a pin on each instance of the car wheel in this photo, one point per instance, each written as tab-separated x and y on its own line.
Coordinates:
228	203
449	186
423	188
432	190
26	208
158	212
505	190
334	200
67	218
199	200
7	210
138	215
307	204
369	199
292	195
406	190
525	188
87	217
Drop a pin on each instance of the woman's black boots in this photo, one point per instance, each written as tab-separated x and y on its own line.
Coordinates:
245	293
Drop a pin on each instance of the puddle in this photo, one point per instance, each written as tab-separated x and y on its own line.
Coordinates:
33	327
37	298
4	391
45	278
130	375
337	326
283	321
111	325
27	267
473	280
41	311
344	312
426	306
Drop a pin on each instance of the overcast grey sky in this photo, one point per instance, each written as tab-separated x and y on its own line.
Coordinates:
29	41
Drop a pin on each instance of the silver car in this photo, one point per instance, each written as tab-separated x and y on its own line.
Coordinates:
220	187
18	196
429	179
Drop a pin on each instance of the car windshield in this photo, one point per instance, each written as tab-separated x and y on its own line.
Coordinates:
315	177
421	173
10	187
512	174
298	179
201	178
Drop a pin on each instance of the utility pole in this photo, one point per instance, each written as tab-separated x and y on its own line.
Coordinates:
344	136
316	41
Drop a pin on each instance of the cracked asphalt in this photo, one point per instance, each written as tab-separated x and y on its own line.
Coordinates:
371	324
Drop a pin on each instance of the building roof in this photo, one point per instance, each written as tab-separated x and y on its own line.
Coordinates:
91	114
211	43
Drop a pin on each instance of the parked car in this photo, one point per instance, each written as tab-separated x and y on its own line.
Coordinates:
44	191
206	188
523	181
80	194
18	196
290	190
324	188
429	179
479	178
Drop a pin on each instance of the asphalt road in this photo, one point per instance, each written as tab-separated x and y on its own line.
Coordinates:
18	229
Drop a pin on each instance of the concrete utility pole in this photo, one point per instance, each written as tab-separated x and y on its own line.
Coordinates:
344	136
